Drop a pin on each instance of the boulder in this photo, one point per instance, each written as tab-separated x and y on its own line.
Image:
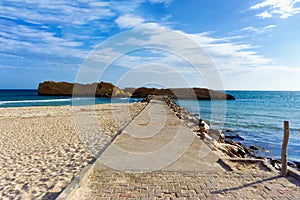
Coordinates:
297	164
216	134
243	150
228	149
252	147
231	135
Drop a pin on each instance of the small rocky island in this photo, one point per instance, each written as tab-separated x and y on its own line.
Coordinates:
104	89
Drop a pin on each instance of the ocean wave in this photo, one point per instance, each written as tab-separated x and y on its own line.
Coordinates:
35	101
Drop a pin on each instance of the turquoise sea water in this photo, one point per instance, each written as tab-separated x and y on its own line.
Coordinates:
257	116
21	98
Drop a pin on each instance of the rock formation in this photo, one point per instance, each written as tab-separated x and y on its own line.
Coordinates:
180	93
103	89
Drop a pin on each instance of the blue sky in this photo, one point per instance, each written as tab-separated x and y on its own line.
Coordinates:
254	44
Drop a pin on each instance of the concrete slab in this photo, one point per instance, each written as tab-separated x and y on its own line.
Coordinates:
157	140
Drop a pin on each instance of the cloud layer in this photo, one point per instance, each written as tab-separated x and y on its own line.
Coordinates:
271	8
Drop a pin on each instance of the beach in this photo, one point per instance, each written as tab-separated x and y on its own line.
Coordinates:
40	150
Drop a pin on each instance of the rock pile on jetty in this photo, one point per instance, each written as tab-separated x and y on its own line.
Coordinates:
214	137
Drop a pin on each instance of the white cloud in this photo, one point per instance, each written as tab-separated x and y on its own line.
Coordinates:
283	8
129	21
238	62
160	1
270	26
229	55
126	7
259	30
264	15
56	11
21	39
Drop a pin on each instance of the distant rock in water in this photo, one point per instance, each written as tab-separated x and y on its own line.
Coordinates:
180	93
103	89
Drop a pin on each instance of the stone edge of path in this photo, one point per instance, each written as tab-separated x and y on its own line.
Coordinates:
76	183
293	173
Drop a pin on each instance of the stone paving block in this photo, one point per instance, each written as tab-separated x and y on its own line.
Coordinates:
102	198
146	198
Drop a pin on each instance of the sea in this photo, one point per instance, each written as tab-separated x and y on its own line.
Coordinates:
257	118
254	118
24	98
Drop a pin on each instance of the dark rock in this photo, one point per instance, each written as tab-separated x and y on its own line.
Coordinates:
244	148
276	164
229	131
241	149
258	157
103	89
292	164
234	137
297	164
240	152
147	99
201	135
252	147
229	149
180	93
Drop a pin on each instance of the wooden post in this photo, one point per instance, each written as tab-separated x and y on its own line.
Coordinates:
284	149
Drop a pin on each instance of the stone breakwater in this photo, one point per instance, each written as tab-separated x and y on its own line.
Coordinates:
217	139
204	131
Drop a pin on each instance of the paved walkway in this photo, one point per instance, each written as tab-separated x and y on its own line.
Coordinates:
157	157
158	140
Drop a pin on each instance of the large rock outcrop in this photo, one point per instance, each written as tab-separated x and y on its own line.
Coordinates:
180	93
103	89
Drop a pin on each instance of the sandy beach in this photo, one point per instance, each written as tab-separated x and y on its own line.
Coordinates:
40	150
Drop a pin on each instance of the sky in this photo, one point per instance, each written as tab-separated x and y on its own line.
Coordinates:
220	44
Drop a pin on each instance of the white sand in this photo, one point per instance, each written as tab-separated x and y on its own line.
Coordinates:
41	150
